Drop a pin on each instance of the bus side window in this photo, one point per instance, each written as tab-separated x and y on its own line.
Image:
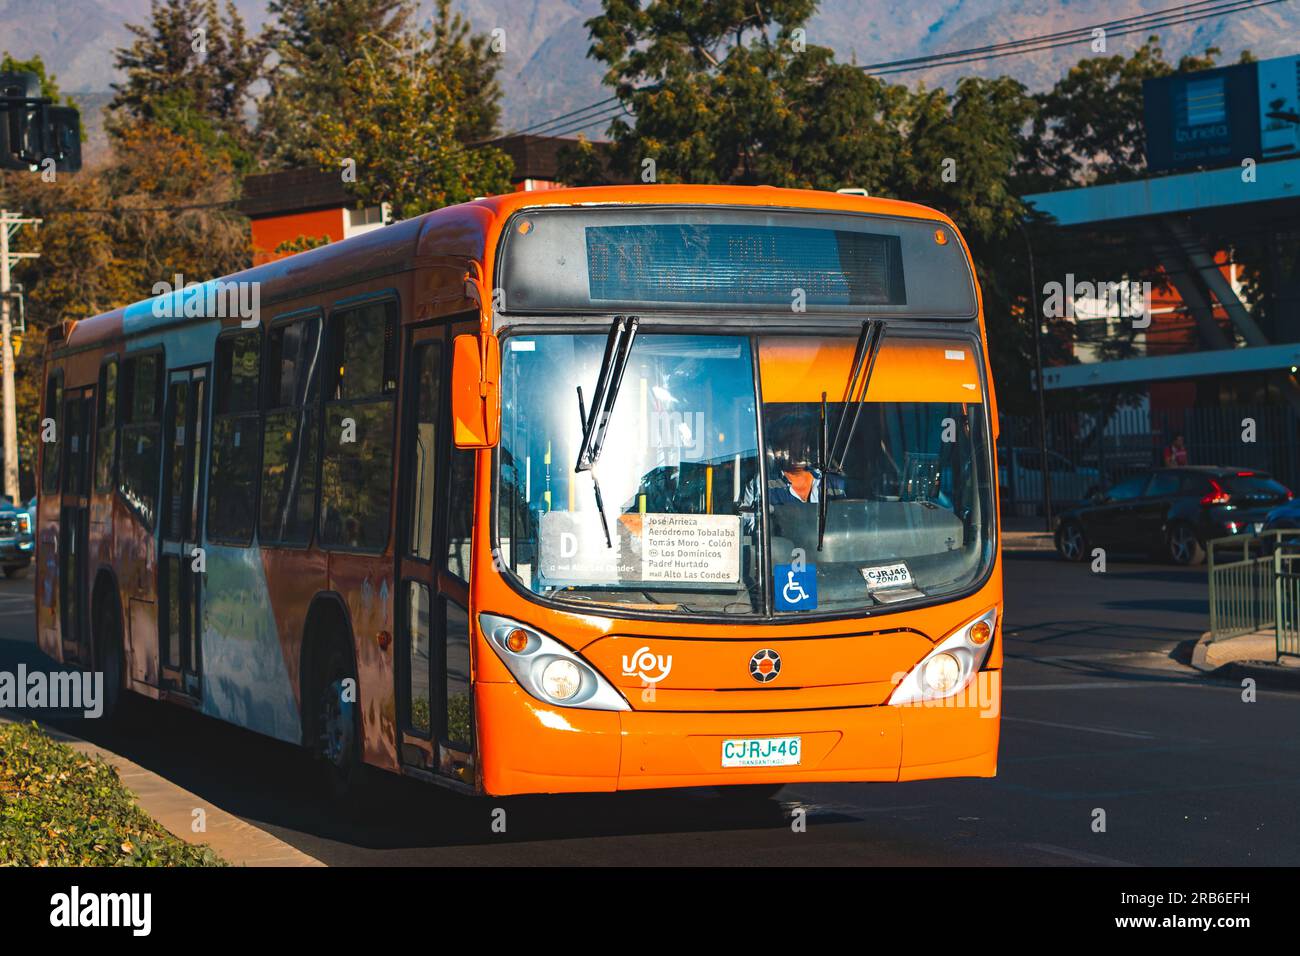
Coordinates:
53	412
289	432
460	513
422	440
357	452
141	434
106	425
236	439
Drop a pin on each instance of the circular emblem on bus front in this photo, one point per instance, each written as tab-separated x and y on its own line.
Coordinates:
765	665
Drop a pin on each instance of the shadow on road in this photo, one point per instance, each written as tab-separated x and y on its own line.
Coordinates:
276	784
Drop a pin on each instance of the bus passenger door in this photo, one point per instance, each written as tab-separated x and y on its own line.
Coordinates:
433	672
74	524
181	517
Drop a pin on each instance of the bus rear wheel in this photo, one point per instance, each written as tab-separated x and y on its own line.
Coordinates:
110	657
335	736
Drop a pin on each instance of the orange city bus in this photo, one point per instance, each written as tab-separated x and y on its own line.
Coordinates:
587	490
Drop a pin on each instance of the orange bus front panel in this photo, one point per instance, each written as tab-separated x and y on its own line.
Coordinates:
676	750
531	747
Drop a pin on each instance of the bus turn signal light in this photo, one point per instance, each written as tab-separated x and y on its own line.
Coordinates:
941	237
980	632
517	640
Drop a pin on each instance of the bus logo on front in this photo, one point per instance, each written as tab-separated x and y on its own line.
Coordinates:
645	664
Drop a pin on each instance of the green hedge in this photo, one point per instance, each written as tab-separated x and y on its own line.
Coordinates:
61	808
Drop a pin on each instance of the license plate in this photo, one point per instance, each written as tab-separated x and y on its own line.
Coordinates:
887	576
762	752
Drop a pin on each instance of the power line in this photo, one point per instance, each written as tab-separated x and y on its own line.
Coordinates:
940	60
1076	31
590	122
1122	26
117	210
563	116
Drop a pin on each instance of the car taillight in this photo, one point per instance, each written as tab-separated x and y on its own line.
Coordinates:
1217	496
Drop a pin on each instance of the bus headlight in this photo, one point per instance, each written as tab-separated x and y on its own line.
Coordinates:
952	664
942	672
561	679
547	669
24	523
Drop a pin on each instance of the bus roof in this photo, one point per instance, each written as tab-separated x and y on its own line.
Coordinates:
467	231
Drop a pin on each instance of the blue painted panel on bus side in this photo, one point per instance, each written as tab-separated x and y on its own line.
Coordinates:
245	680
214	299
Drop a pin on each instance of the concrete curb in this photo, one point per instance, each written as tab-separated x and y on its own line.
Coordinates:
235	840
1250	655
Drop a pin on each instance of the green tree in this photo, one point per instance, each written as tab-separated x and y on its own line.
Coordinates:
456	50
401	134
162	206
732	92
314	42
1089	126
189	70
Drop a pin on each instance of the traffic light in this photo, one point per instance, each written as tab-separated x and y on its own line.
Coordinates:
33	129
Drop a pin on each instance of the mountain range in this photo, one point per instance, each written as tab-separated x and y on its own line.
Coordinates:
547	71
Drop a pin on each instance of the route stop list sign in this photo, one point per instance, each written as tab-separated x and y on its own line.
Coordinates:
660	548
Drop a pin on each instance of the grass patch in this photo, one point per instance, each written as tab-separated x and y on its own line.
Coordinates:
62	808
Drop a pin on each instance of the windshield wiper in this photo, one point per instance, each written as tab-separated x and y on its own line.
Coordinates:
855	396
594	426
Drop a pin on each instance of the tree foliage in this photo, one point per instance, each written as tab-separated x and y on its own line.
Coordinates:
414	165
1089	125
189	70
732	92
456	51
313	43
161	207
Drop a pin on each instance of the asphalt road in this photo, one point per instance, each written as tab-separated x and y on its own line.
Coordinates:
1100	711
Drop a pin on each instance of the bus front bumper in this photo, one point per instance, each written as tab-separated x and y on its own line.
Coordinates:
527	746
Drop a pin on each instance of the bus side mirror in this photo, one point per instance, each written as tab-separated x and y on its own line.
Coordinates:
476	391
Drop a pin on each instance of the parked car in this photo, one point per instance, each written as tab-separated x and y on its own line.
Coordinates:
1020	476
1285	517
17	542
1170	511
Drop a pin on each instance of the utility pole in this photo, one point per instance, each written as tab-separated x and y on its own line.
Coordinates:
1038	385
10	223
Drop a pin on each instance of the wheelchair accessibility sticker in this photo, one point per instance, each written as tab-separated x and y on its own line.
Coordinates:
796	590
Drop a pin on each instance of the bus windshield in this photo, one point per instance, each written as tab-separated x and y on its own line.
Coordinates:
714	469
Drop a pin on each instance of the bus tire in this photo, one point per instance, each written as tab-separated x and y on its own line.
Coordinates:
334	721
108	649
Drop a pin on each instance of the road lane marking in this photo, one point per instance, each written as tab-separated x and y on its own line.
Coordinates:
1076	855
1092	730
1137	684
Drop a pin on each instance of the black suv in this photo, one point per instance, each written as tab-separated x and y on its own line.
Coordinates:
1170	512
